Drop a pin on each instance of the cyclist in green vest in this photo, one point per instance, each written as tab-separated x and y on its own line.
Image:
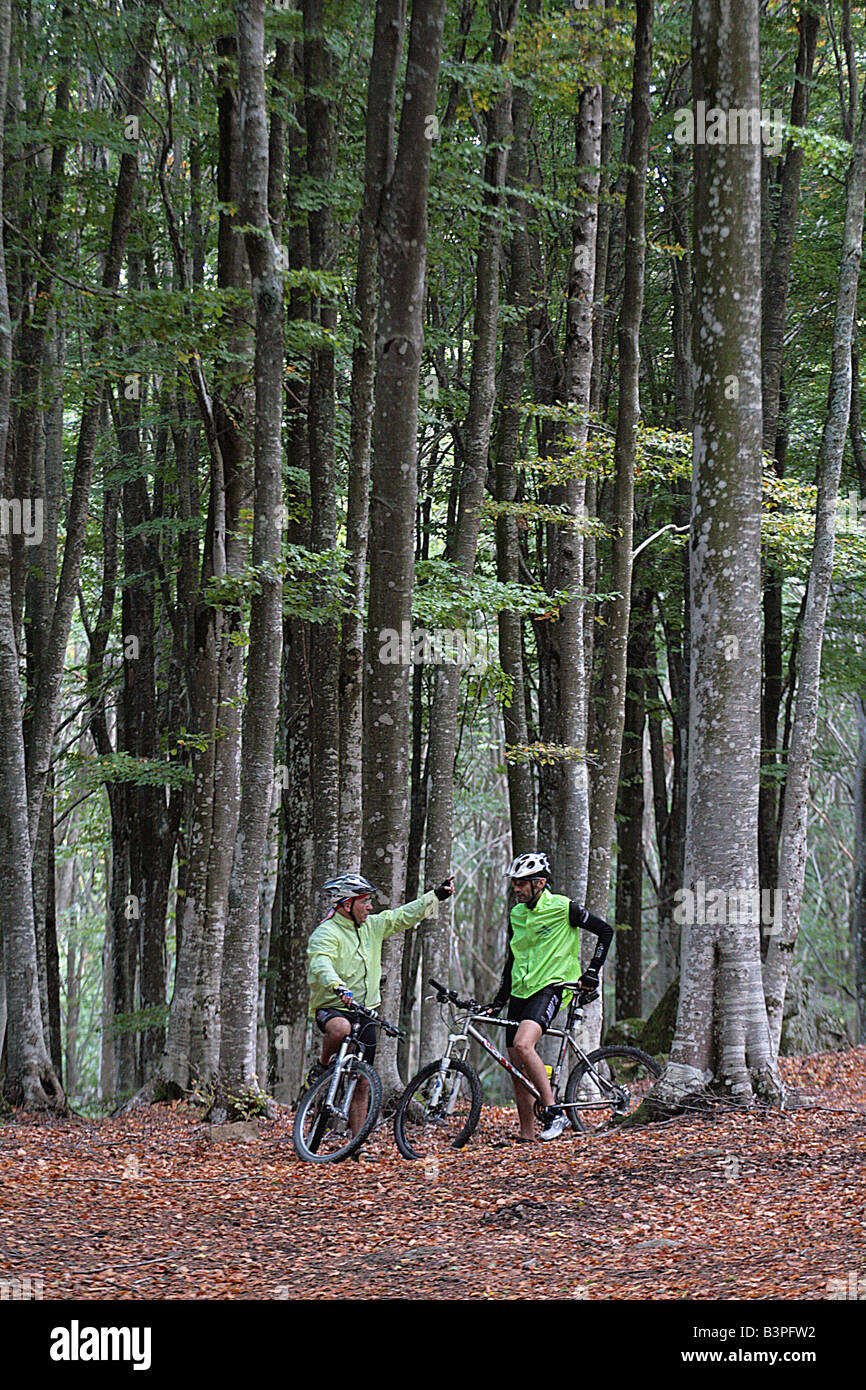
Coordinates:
543	948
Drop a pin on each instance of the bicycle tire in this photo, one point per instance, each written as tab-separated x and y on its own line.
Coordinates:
423	1126
627	1067
315	1137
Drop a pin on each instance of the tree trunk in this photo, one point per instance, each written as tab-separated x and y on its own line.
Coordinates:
378	167
573	835
773	311
521	787
858	915
437	939
30	1079
629	815
613	671
237	1071
324	635
792	847
228	426
399	344
722	1028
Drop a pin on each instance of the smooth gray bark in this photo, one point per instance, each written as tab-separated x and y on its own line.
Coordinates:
858	913
792	847
722	1031
239	996
30	1077
521	786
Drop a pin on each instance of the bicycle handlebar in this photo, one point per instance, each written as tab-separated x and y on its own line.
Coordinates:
445	993
377	1019
585	996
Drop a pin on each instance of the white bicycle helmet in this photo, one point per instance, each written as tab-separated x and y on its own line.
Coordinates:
344	886
532	865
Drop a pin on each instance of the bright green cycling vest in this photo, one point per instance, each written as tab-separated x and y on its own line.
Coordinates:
544	945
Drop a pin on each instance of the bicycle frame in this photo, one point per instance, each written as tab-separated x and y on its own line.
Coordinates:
574	1014
338	1064
350	1041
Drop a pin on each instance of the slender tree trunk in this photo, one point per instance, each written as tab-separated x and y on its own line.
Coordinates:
521	788
669	823
629	814
296	902
858	916
773	312
399	344
228	424
324	635
613	671
476	435
267	898
30	1079
792	848
237	1073
378	168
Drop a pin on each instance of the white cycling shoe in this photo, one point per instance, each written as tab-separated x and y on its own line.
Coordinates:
556	1125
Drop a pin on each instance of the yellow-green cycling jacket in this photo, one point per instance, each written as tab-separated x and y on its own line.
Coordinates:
341	954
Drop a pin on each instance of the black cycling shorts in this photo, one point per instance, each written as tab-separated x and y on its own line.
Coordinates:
541	1008
366	1035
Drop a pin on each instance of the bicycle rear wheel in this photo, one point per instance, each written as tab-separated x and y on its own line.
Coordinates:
438	1110
321	1131
623	1076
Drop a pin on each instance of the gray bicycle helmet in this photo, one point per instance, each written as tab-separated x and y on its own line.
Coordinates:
344	886
532	865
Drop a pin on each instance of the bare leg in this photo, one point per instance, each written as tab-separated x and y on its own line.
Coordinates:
523	1055
359	1107
335	1031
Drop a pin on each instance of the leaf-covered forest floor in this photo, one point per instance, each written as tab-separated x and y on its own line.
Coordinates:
719	1204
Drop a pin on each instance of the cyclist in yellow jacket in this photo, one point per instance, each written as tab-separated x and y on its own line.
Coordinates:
543	948
344	956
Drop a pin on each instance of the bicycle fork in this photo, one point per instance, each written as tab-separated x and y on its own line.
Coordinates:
342	1112
454	1039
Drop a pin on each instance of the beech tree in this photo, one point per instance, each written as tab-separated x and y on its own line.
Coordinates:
722	1032
792	852
394	481
239	992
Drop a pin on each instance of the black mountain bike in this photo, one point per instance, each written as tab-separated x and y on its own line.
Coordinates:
321	1132
441	1106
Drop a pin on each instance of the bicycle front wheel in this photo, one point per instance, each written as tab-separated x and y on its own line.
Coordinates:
619	1076
438	1110
321	1132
